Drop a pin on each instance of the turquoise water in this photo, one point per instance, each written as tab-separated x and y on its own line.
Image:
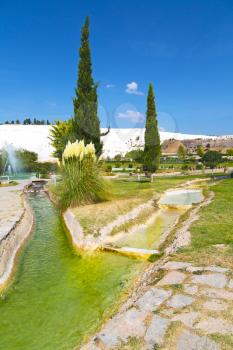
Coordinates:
22	176
57	296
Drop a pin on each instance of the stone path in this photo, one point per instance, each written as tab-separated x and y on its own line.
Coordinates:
189	308
11	207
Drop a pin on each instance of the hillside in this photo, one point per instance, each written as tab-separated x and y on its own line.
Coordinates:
35	138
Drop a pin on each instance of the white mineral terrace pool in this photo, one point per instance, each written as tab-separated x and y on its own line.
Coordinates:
182	197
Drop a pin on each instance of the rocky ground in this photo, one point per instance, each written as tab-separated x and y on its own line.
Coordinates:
186	307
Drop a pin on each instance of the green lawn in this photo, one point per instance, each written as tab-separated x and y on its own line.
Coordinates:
214	227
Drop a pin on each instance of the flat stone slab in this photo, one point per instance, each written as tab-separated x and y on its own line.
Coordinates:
122	327
217	293
190	341
190	289
172	277
215	305
216	280
180	300
152	299
156	332
175	265
214	268
187	318
213	325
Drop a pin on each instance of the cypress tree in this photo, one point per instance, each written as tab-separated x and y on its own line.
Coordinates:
86	124
152	146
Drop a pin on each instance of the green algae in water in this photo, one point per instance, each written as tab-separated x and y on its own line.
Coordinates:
148	237
57	296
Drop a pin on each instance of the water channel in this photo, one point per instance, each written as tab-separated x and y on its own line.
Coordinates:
58	296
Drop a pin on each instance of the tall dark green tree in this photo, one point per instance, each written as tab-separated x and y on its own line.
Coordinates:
152	148
86	124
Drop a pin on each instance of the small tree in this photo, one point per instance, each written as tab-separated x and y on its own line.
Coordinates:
60	134
2	161
182	152
152	148
136	155
230	152
200	151
212	159
27	121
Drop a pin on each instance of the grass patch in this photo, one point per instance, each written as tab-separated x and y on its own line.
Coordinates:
94	216
154	257
126	194
11	183
214	227
140	219
226	341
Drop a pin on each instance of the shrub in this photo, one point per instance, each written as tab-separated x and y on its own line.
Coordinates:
108	169
212	159
185	167
81	181
199	166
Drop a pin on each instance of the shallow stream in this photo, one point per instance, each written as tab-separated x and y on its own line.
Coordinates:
58	296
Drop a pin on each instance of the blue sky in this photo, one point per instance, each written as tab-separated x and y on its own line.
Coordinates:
184	47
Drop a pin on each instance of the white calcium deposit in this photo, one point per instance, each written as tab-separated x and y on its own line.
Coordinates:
118	141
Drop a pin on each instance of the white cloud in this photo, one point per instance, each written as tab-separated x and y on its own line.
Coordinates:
110	86
133	116
132	88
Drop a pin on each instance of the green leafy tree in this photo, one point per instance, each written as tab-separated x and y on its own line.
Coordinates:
212	159
2	161
182	152
136	155
152	148
27	121
86	124
200	151
26	159
60	134
229	152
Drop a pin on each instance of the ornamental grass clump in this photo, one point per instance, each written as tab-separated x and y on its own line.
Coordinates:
81	180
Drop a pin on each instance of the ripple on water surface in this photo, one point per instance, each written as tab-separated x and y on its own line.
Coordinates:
58	296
